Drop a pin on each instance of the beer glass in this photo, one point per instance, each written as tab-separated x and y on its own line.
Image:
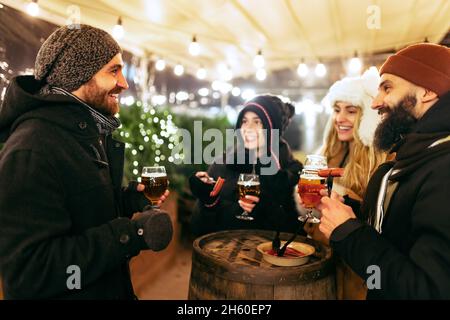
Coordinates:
155	181
248	185
310	185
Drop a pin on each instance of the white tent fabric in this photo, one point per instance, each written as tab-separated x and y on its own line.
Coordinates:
231	32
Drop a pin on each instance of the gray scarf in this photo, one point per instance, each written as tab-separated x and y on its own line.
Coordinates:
105	124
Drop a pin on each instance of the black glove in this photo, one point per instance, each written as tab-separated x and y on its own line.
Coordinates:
155	228
133	200
202	190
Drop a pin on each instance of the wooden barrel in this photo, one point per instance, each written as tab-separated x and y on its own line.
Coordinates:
226	265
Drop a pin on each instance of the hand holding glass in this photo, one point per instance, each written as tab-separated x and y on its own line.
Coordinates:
248	185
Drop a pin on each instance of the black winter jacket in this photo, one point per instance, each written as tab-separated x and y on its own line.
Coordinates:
61	202
413	249
276	190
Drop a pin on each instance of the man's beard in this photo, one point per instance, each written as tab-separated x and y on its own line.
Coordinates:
100	99
398	122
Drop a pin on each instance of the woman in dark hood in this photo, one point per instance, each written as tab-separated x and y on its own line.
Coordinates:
260	149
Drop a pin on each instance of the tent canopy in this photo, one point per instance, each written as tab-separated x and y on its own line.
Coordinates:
231	32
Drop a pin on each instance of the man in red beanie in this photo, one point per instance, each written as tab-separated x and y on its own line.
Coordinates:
403	249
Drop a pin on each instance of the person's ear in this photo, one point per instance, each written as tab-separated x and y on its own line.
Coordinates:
429	96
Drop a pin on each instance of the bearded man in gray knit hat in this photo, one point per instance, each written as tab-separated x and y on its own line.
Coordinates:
68	229
71	58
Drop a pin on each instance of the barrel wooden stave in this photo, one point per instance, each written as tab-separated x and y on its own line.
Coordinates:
239	273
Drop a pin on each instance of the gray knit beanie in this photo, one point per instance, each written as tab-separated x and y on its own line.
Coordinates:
72	55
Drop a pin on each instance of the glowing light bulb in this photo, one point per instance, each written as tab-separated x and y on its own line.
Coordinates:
302	70
320	70
194	47
178	70
355	65
258	61
201	73
261	74
33	8
118	31
160	65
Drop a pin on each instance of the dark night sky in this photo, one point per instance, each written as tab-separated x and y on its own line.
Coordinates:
21	36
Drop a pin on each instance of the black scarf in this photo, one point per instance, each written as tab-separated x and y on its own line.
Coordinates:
416	149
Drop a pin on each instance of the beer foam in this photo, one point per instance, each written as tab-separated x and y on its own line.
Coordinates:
154	175
248	183
310	176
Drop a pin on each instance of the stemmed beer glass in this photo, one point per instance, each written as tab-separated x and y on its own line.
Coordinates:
155	181
310	185
248	185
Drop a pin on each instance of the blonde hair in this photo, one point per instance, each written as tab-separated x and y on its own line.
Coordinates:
361	163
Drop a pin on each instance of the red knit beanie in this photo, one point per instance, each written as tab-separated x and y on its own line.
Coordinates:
426	65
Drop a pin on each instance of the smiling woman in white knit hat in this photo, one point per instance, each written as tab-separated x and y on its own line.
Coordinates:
348	142
349	134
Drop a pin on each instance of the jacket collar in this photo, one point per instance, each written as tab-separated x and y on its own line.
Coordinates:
437	118
23	103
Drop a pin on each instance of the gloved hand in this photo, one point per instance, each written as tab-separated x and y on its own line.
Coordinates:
207	193
155	228
132	199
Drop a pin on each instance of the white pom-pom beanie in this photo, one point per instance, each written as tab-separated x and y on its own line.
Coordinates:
359	91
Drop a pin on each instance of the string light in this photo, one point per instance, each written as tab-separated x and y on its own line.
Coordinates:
228	76
302	69
160	64
118	31
261	74
320	70
236	92
5	75
258	61
178	70
181	96
201	73
159	100
194	47
355	65
248	94
33	8
204	92
225	72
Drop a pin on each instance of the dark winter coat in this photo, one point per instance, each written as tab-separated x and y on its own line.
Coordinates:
60	201
413	249
276	191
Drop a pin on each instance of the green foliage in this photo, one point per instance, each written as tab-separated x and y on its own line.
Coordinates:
151	134
148	133
186	122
